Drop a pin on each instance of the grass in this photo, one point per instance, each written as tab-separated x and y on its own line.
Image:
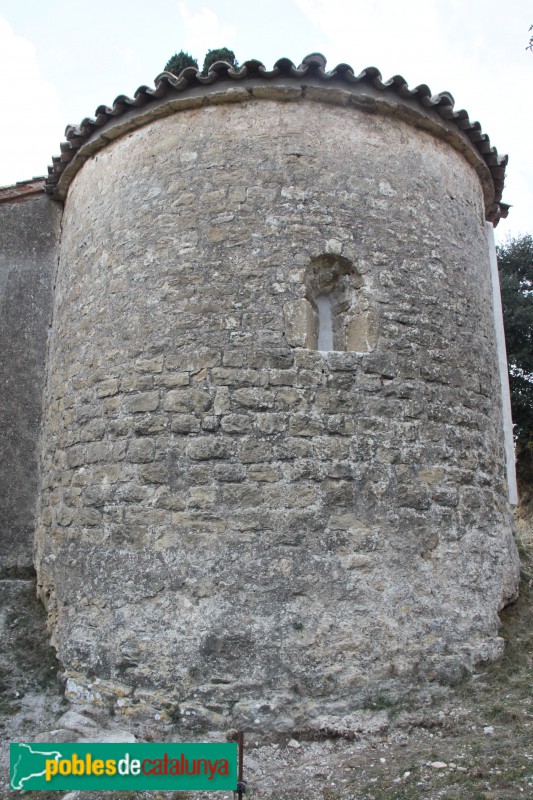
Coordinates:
489	766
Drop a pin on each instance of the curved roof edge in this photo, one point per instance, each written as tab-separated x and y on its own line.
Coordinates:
312	69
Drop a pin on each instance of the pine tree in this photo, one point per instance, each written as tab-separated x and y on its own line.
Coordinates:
179	61
220	54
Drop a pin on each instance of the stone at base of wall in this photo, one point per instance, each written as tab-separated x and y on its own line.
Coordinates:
274	711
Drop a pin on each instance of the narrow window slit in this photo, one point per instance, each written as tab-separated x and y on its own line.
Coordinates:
325	323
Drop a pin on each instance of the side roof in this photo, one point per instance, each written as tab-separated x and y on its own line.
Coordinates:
220	85
21	190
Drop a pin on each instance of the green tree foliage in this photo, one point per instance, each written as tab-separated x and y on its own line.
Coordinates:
179	61
515	261
220	54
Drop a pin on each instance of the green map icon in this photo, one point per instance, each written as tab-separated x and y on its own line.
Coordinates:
28	763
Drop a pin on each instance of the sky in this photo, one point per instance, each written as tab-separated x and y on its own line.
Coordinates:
60	59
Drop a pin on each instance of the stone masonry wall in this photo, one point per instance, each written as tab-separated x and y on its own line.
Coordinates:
29	229
236	528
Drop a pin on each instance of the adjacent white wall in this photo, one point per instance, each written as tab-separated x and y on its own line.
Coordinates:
502	367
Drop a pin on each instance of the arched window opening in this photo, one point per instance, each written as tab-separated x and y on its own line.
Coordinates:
337	313
343	317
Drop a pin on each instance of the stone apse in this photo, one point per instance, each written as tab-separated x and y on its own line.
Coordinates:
273	479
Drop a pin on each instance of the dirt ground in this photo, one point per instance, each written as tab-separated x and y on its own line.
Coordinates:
473	741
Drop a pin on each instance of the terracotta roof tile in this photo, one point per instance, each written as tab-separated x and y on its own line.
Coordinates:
22	189
314	66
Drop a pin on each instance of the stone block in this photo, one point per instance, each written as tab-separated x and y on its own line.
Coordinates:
185	423
87	517
236	423
155	423
187	400
256	399
210	423
271	423
136	383
141	451
153	473
300	324
173	379
140	403
230	473
107	388
75	456
207	447
150	365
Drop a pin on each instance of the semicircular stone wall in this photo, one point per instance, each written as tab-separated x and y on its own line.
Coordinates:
237	527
